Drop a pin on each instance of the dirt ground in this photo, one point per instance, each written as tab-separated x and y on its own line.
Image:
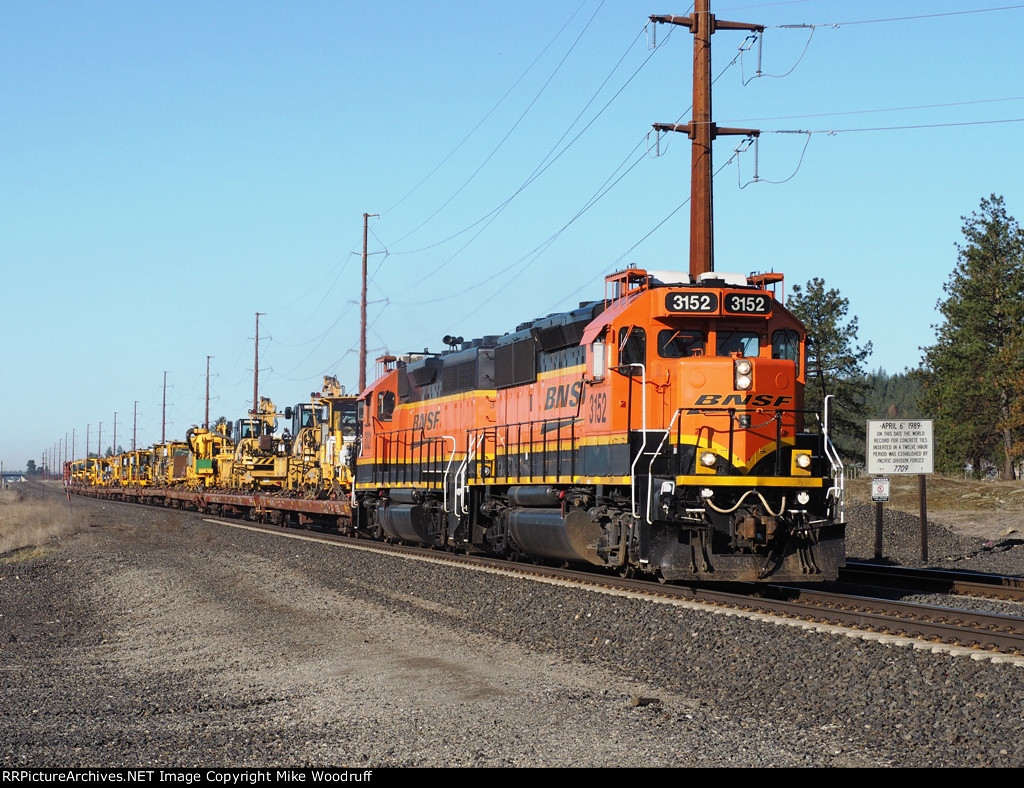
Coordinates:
139	637
985	509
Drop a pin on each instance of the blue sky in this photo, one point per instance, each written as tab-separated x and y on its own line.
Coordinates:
172	169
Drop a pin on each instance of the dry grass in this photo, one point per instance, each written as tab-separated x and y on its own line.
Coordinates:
28	526
944	493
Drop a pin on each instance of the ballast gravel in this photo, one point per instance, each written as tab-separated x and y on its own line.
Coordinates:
156	638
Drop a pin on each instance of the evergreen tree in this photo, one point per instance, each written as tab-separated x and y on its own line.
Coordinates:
973	376
834	364
1013	425
892	396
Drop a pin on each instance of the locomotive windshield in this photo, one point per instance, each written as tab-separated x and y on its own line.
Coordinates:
673	343
731	342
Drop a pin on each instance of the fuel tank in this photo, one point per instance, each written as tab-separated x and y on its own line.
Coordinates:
407	523
545	533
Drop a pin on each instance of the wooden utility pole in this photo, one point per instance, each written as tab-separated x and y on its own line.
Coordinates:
163	414
206	421
256	369
702	130
362	311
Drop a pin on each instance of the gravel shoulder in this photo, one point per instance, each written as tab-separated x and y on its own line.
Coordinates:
151	638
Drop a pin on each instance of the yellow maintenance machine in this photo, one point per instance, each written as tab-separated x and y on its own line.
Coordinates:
261	457
323	432
139	468
212	457
337	450
80	472
170	463
101	471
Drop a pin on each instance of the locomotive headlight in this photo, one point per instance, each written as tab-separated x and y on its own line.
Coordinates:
801	463
803	497
708	459
741	374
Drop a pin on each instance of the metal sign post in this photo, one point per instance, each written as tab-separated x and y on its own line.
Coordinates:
879	494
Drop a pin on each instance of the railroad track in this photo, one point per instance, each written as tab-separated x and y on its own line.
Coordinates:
935	581
976	633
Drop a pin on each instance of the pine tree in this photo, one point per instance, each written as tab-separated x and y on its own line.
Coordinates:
973	376
834	363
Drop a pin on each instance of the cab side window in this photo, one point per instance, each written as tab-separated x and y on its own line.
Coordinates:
385	405
786	344
632	348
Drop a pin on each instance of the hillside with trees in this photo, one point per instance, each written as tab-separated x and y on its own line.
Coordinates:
892	396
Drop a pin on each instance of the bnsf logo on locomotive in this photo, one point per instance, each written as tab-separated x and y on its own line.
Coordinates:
426	421
760	400
564	396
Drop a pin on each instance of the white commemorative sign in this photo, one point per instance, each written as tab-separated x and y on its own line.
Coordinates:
899	446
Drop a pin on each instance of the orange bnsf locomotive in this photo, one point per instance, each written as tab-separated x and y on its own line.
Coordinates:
658	432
